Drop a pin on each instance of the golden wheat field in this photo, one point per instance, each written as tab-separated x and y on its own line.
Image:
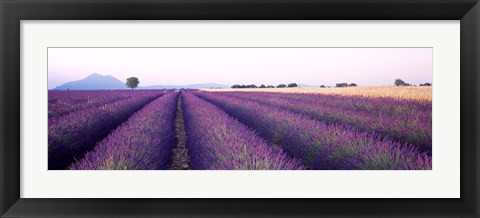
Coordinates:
398	92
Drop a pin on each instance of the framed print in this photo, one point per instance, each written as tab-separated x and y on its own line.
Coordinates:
239	108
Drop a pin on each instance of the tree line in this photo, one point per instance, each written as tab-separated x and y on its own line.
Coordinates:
400	82
133	82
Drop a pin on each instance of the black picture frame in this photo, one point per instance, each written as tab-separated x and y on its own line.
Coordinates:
12	11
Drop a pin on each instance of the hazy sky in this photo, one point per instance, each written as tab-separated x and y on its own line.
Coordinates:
182	66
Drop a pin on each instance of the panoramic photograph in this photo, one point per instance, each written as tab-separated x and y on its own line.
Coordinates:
240	108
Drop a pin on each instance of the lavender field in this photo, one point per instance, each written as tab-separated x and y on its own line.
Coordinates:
198	130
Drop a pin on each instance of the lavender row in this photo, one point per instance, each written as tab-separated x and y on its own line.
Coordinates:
144	142
372	105
319	145
70	136
79	96
218	142
63	102
411	126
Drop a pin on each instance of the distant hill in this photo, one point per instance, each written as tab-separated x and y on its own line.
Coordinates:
191	86
307	86
94	81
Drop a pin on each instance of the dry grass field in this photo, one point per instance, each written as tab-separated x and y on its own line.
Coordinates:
399	92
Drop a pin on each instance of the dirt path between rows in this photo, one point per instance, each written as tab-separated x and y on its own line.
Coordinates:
181	160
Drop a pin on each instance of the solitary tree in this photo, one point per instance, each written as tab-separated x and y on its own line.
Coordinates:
399	82
281	86
322	86
132	82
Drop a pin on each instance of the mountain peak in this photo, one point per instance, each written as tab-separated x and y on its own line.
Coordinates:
94	81
94	75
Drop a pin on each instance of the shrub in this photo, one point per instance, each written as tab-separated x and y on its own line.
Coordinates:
292	85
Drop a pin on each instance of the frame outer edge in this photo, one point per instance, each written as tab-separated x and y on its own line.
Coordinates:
470	78
2	142
9	107
2	211
7	174
476	166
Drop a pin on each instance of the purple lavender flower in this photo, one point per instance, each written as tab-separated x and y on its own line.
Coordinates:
64	102
71	135
216	141
144	142
318	144
405	121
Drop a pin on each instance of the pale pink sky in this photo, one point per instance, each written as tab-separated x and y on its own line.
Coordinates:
182	66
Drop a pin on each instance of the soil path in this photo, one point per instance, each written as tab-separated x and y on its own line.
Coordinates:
181	160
